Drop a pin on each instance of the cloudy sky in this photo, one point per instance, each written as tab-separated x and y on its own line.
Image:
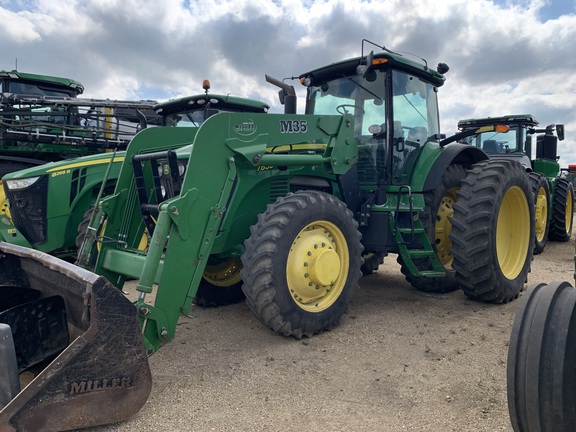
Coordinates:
505	56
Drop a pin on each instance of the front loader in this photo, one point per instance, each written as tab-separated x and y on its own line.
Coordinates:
286	207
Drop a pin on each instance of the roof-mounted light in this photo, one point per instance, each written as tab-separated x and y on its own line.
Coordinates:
9	74
379	61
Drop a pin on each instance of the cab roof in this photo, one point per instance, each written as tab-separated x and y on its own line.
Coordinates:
46	79
224	102
397	61
527	119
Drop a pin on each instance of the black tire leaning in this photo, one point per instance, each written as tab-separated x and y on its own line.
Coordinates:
541	192
221	284
541	370
436	221
280	258
562	211
493	231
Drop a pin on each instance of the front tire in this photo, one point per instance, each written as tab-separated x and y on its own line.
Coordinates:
541	370
562	211
436	221
301	264
493	231
541	192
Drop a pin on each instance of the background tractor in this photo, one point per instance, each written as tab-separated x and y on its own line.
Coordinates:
284	207
554	192
50	204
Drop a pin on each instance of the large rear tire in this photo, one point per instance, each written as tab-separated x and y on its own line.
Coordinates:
436	221
541	371
562	211
301	264
541	192
493	231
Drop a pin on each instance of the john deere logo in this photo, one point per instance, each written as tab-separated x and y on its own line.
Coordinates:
245	128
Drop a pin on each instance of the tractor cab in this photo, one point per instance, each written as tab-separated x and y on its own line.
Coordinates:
535	148
14	82
393	102
192	111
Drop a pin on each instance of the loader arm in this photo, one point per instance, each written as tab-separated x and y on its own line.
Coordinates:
227	150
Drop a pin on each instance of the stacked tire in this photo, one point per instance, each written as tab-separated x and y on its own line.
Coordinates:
541	371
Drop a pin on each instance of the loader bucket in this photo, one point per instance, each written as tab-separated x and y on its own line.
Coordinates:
71	350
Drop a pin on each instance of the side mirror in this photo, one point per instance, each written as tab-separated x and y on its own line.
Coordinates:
560	132
282	96
287	95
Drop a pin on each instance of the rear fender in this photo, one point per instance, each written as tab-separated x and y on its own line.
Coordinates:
452	153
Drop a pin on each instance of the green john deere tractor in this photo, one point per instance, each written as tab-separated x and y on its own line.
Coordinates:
554	193
42	120
51	204
285	205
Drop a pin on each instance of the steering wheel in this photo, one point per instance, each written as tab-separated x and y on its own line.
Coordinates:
341	109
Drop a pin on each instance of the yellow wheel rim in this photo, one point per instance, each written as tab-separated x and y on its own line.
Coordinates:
569	210
317	266
513	232
541	211
443	228
223	274
4	209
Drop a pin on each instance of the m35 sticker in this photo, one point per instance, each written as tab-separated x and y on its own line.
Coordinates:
293	126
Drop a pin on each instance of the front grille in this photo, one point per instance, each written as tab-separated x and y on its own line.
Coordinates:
28	210
78	182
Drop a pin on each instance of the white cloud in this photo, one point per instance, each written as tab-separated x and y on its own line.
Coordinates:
503	57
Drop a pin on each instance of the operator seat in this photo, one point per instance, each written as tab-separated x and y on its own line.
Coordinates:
490	146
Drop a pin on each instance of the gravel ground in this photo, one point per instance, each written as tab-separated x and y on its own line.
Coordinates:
399	361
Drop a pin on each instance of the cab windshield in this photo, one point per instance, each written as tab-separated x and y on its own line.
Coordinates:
33	89
190	118
497	142
406	125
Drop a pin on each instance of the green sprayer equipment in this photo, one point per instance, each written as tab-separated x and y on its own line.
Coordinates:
285	207
537	150
42	119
